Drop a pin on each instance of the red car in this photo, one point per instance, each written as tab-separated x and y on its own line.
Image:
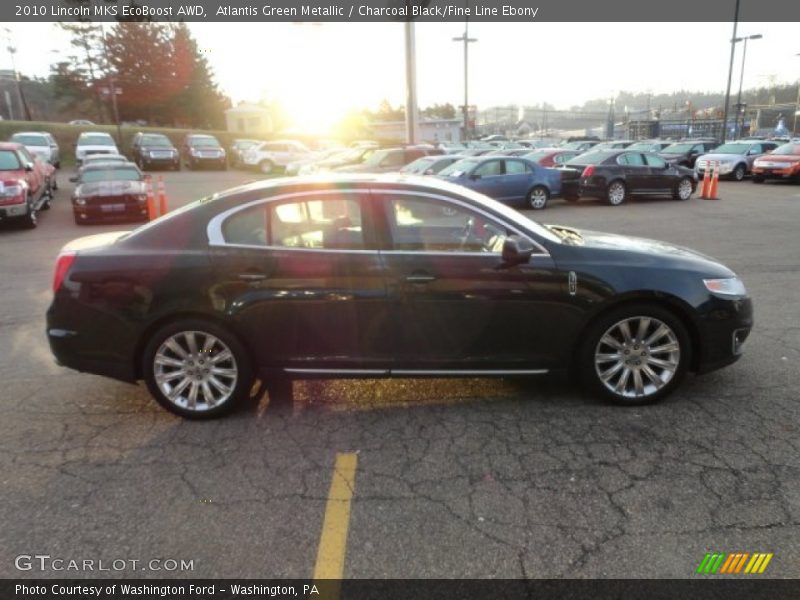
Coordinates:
781	163
551	157
26	184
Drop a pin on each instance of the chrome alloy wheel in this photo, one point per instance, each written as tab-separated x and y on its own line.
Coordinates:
637	356
684	189
195	370
538	198
616	193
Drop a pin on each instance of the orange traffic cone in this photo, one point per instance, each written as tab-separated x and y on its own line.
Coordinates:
713	187
162	197
151	203
706	182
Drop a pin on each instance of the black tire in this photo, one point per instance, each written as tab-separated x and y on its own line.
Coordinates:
538	197
589	369
240	363
616	192
266	167
739	172
30	220
758	179
54	183
47	200
80	222
684	185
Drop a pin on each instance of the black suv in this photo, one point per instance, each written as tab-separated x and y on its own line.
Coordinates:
151	150
685	153
200	150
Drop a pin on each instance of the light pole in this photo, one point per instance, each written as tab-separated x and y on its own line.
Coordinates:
796	106
739	111
467	40
730	74
112	88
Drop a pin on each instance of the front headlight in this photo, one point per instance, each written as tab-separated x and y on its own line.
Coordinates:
80	201
730	286
194	152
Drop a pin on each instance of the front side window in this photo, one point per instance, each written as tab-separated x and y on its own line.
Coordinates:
432	225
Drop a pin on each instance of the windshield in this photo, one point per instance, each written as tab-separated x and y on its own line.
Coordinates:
644	146
204	142
787	149
96	140
732	149
30	140
110	174
458	167
9	161
575	145
591	158
376	158
156	140
678	148
536	156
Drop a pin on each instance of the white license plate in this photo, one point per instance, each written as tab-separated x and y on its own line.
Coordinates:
113	208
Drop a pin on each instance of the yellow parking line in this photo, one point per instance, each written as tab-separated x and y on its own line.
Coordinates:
333	542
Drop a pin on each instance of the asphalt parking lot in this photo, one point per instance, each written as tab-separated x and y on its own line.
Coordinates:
454	478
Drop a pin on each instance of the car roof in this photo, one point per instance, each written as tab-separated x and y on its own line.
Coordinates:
42	133
98	165
10	146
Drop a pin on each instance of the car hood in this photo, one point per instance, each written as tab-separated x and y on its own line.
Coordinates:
98	147
109	188
787	158
721	157
642	251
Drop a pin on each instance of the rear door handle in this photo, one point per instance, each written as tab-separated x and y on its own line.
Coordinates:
420	278
252	276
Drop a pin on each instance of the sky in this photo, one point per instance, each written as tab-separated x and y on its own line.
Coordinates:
320	71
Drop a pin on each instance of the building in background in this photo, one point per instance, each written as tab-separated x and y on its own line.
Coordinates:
428	130
249	119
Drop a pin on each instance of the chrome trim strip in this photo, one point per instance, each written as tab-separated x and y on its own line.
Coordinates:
339	371
477	372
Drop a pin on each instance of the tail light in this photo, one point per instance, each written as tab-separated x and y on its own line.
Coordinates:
588	172
63	264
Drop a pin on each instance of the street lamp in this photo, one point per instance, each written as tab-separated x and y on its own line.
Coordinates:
467	40
730	74
739	111
796	106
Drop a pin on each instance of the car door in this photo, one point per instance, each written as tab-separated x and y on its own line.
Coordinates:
517	180
662	176
301	278
33	176
454	305
637	173
487	178
753	153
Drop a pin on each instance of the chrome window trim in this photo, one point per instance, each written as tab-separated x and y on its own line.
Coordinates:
216	239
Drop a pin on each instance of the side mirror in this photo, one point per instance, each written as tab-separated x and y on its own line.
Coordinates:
475	176
516	251
74	179
29	167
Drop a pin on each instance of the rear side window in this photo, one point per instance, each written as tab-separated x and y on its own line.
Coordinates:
329	223
631	159
247	227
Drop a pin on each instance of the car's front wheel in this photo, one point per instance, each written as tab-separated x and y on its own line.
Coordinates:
196	369
538	197
739	172
634	355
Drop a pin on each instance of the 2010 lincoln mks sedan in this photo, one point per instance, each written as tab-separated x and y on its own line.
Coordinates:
373	276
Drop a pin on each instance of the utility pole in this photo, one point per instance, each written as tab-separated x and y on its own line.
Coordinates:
730	74
796	106
411	84
112	89
467	40
739	111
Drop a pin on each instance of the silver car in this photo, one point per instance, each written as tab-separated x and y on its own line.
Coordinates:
41	144
735	158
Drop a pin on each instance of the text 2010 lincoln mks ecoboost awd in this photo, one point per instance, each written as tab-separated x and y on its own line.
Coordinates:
373	276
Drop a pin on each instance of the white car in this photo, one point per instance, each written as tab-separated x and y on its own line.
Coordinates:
41	144
94	142
269	155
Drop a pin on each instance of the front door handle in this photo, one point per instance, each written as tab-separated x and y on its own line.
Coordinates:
420	278
252	276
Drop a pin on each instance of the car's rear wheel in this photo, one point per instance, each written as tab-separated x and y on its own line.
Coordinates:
635	355
196	369
266	166
30	220
683	190
616	193
538	197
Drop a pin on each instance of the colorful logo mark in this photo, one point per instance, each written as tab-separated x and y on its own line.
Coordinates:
719	563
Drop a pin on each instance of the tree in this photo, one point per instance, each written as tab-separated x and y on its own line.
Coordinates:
77	76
